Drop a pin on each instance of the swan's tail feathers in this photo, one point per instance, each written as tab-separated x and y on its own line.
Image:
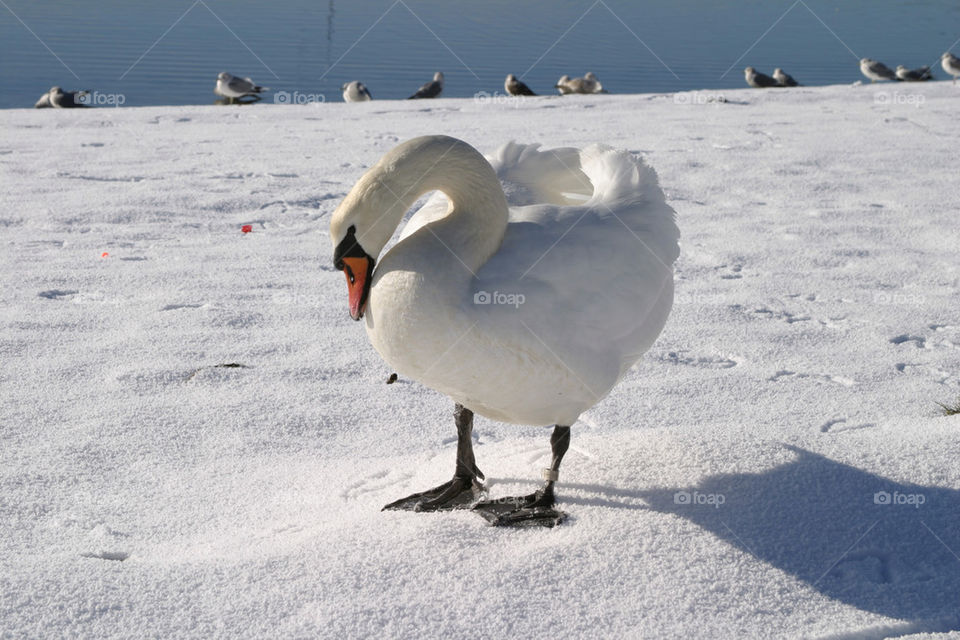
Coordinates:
532	176
627	187
617	174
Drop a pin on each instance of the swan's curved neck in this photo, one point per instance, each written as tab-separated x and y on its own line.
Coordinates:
477	219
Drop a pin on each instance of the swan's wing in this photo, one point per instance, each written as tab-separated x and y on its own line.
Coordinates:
592	283
528	176
531	176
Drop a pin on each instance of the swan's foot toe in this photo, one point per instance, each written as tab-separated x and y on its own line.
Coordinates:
535	510
458	493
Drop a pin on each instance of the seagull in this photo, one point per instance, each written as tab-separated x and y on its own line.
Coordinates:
231	87
759	80
591	83
587	84
784	78
430	90
516	88
913	75
876	70
563	85
57	98
355	92
951	64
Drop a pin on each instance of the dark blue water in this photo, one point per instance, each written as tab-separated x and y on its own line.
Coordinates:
169	52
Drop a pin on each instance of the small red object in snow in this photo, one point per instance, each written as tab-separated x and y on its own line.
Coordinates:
104	255
247	228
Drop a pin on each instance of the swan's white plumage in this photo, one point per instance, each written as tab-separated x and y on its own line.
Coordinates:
588	246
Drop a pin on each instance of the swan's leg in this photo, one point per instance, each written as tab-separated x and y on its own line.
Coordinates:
465	489
536	509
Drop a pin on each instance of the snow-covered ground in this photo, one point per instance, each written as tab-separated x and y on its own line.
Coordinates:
145	492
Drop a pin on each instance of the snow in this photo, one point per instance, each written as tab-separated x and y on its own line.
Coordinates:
145	491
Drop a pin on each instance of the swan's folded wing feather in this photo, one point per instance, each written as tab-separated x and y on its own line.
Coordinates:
531	176
594	284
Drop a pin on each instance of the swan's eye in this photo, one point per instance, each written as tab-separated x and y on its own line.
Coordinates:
350	275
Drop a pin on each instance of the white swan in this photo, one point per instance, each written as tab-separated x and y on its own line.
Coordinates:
528	313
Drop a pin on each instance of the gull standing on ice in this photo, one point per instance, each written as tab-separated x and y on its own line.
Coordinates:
355	92
430	90
231	87
591	84
951	64
516	88
876	70
913	75
784	78
587	84
759	80
57	98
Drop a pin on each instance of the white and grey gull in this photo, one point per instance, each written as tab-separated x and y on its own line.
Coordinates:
57	98
951	64
759	80
355	92
515	87
589	83
232	88
876	70
784	79
431	89
913	75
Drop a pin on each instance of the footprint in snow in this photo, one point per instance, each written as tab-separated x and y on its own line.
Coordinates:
832	426
54	294
864	566
700	362
374	483
919	341
939	376
118	556
786	373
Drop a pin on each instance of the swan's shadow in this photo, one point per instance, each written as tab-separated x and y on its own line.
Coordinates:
865	540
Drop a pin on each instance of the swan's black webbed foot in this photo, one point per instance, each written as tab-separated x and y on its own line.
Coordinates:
534	510
465	489
458	493
537	509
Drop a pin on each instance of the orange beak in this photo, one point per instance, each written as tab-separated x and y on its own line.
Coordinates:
358	272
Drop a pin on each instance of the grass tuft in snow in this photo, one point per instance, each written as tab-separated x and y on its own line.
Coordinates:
950	410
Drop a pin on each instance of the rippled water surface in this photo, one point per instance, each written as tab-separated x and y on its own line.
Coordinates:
155	53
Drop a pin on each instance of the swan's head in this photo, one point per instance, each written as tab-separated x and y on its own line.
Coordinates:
363	223
350	257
